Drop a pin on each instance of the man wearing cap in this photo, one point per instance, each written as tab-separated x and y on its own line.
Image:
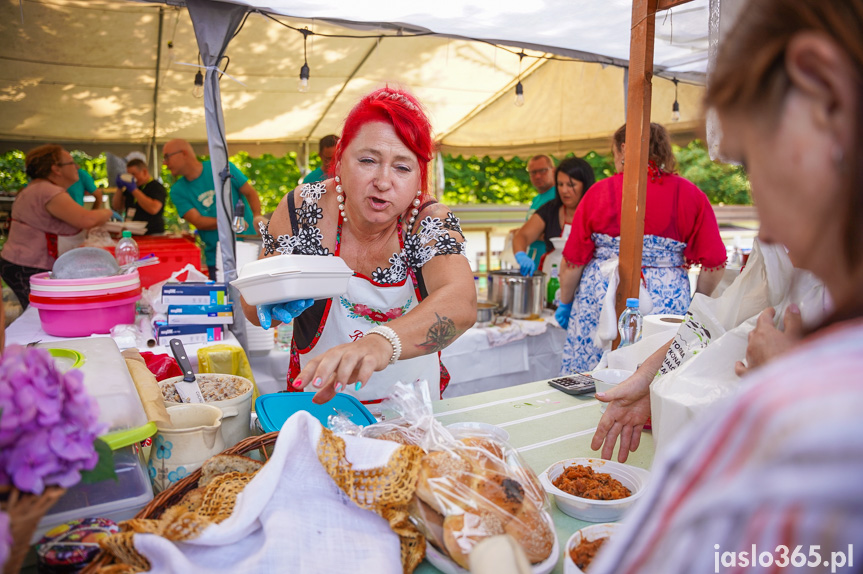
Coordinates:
142	198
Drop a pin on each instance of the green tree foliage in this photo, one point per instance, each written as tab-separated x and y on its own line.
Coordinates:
12	176
486	180
468	180
723	183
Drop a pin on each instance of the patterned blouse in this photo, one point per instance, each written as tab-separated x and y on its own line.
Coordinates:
434	236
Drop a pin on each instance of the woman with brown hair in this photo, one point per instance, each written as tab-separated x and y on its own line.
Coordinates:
680	230
42	211
778	469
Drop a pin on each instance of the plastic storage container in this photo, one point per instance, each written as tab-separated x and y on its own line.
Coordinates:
116	500
126	250
82	307
589	533
274	409
292	277
629	324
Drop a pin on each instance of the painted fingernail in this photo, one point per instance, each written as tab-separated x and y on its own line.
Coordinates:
318	382
358	385
600	395
339	387
297	383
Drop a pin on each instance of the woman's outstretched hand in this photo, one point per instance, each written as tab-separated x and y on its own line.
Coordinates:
284	312
628	410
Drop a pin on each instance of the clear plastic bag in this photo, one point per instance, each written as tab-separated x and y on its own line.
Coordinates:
471	485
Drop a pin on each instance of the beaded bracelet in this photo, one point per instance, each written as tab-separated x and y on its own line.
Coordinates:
390	336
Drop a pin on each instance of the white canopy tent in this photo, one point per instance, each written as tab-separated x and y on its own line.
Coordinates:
101	75
117	73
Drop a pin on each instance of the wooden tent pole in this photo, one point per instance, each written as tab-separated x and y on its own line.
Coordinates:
636	149
638	100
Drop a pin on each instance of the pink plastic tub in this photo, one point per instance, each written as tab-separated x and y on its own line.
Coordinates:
69	320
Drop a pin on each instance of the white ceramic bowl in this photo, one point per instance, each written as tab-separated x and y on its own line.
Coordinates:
607	379
477	429
293	277
446	564
589	533
634	478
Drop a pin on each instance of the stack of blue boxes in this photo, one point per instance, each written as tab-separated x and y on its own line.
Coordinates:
197	312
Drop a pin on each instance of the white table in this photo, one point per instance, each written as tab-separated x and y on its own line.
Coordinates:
477	366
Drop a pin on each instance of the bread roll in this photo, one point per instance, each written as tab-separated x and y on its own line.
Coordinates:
484	454
223	463
530	529
462	531
504	492
440	472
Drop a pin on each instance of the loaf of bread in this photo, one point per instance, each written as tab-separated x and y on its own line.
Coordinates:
223	463
477	495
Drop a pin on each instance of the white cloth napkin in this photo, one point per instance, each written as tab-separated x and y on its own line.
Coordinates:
516	329
292	517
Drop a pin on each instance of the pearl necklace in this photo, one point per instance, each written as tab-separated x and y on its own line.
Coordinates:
341	199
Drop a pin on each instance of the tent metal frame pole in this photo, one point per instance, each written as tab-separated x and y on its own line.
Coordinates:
154	149
638	102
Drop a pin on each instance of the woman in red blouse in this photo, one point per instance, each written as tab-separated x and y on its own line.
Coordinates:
680	230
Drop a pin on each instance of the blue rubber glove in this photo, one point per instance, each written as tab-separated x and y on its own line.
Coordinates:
126	182
284	312
526	264
562	314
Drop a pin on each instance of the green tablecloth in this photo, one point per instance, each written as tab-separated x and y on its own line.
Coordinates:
546	426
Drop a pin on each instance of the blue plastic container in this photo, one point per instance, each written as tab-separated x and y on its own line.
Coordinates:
274	409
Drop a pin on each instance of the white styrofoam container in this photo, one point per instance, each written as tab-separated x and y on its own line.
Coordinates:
634	478
292	277
589	533
116	500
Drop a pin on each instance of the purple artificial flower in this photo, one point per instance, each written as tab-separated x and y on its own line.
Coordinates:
48	422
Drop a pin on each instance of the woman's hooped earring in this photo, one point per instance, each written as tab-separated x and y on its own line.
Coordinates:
415	211
340	198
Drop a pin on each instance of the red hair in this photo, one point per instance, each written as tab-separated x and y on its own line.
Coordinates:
401	110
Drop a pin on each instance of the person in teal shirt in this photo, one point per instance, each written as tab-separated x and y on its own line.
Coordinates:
194	195
85	184
540	168
327	150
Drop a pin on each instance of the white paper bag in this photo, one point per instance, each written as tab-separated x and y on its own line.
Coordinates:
698	369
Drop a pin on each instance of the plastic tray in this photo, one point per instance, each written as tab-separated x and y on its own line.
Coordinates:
274	409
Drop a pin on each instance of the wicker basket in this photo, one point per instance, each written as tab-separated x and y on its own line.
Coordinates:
173	495
25	510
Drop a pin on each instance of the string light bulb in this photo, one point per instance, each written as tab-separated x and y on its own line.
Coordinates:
303	86
675	107
198	90
519	89
238	224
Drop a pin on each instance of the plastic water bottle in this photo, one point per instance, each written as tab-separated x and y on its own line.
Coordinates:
629	324
552	289
284	334
126	250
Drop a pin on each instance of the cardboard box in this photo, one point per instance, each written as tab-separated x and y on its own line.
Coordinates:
195	293
188	334
200	315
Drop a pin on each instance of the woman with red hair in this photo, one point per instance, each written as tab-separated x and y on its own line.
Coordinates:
412	284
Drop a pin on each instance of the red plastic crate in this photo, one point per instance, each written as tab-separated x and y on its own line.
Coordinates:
174	253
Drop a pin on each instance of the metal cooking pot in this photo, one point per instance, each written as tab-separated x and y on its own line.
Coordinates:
518	297
485	312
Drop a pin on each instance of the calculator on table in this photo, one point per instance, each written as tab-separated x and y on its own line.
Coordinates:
577	384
